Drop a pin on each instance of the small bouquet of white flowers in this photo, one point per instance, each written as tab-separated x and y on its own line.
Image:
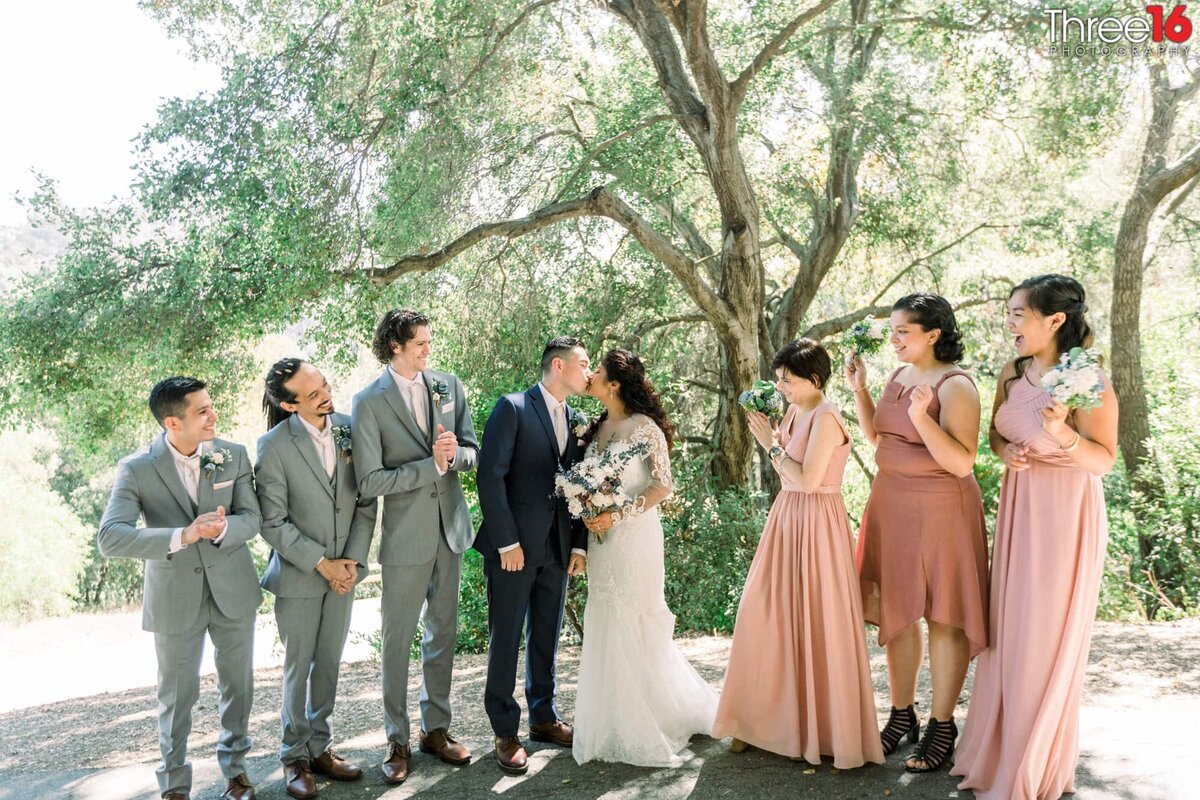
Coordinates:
1075	380
764	397
865	338
593	485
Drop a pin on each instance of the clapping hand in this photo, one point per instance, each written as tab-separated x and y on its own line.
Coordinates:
760	428
445	448
208	525
919	401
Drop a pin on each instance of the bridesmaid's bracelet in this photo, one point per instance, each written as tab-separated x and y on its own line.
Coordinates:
1069	447
863	389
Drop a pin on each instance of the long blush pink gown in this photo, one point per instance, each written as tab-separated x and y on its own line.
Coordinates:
799	680
1021	739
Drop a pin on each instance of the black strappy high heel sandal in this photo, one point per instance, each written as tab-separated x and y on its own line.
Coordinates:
901	722
936	746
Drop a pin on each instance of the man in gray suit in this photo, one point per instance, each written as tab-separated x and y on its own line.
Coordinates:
412	435
320	532
200	576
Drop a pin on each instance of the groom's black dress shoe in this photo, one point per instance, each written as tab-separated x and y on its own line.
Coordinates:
511	756
557	732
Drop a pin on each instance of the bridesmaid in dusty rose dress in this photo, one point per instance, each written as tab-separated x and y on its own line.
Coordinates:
922	544
1022	732
799	680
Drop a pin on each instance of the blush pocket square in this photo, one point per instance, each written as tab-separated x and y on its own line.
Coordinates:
446	409
222	485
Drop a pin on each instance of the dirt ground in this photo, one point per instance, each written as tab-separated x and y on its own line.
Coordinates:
1141	703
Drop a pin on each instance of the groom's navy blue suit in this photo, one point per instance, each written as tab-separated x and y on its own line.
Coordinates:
517	464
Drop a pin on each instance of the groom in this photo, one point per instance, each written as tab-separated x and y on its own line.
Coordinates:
200	576
530	545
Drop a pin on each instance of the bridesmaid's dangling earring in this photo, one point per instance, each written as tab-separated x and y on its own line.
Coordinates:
611	393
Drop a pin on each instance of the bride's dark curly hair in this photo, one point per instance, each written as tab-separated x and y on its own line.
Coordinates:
636	392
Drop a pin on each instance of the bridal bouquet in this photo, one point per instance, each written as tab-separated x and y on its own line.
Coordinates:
866	337
593	485
762	397
1075	380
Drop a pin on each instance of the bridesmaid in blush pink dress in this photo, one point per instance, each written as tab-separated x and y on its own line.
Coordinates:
922	543
799	680
1022	732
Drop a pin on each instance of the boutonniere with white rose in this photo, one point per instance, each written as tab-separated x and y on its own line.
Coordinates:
342	441
441	392
579	425
214	460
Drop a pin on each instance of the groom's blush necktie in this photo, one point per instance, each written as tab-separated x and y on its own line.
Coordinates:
560	427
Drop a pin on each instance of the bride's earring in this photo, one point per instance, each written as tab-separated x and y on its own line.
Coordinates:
611	393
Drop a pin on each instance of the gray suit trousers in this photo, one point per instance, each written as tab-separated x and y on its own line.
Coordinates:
433	585
179	657
313	632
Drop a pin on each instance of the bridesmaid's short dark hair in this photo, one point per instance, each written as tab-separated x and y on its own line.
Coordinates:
934	312
805	358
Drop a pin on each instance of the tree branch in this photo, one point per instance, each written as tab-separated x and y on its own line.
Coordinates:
610	141
934	254
741	84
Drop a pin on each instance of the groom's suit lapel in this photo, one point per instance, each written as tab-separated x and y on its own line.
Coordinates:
569	455
391	393
164	464
539	407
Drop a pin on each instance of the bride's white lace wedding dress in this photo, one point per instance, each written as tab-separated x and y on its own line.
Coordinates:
639	701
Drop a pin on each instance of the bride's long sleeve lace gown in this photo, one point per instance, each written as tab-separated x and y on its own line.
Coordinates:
639	701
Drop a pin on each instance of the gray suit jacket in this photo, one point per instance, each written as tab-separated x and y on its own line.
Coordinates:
148	488
306	519
393	460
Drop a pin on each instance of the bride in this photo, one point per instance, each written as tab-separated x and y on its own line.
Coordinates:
639	701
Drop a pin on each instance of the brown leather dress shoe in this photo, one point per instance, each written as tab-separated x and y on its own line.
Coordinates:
239	788
334	767
511	755
298	779
395	768
440	743
557	732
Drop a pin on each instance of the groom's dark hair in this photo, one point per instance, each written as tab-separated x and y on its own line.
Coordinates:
168	398
558	347
394	330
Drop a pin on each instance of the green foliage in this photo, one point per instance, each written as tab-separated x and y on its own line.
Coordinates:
43	543
710	539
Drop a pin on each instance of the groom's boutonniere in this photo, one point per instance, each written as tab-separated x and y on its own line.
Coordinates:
341	440
579	425
441	392
214	460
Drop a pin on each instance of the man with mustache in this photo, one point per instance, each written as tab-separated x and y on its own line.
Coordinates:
320	532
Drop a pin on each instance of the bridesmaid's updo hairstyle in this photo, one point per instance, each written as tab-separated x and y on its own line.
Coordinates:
1050	294
934	312
636	392
805	358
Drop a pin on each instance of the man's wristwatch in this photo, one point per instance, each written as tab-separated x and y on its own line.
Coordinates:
775	452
